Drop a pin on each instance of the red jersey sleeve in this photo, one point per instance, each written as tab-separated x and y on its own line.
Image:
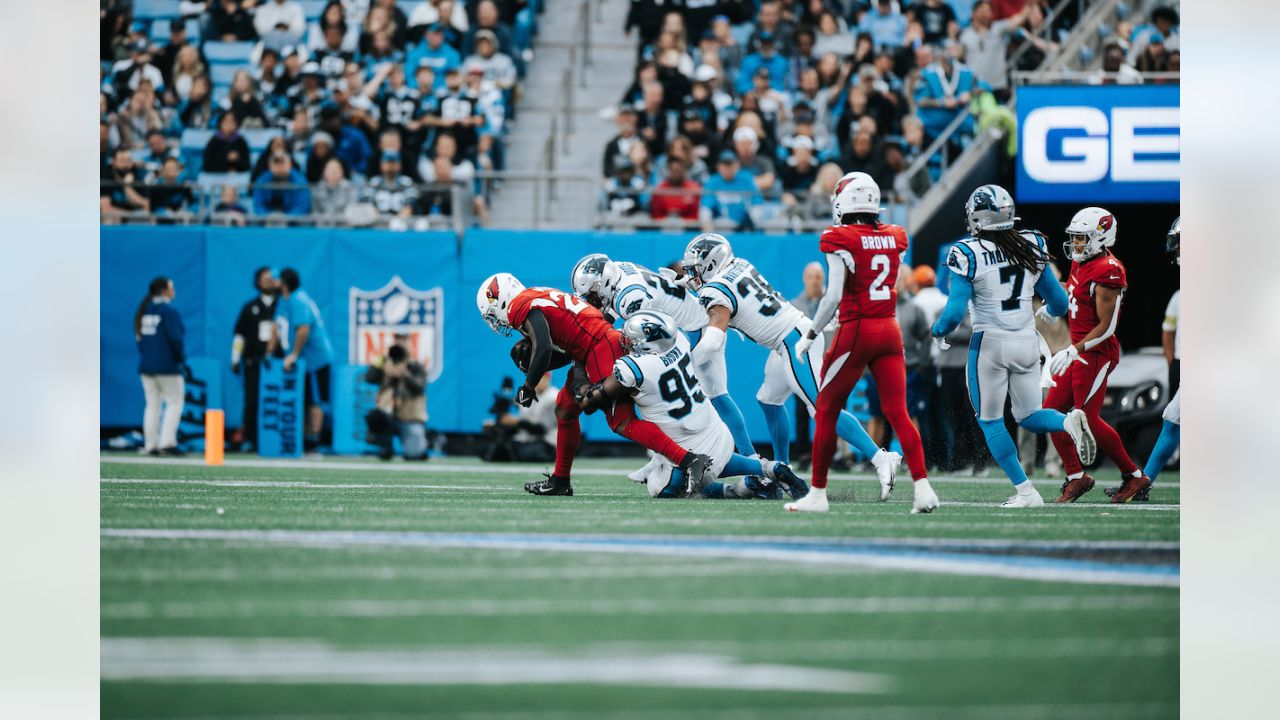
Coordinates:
903	241
831	241
1110	272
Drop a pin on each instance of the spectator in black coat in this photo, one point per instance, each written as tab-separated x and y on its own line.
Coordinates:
230	21
227	150
620	146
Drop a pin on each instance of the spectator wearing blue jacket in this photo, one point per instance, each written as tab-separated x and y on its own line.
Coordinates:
270	194
730	193
943	91
300	332
157	328
885	23
350	145
766	57
433	52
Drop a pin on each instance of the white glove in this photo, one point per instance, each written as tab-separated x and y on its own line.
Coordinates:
1063	360
1046	377
802	348
940	342
1044	316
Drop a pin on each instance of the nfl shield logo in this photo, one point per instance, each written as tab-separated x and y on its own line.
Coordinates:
377	316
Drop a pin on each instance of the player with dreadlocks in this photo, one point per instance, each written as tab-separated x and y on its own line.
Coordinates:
995	272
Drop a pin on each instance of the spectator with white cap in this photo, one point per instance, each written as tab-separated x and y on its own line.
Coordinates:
496	67
746	146
800	169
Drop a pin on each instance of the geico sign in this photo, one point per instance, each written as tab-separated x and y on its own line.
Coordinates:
1113	144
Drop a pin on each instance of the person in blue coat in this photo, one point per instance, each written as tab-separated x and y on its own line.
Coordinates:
730	192
158	330
300	333
944	90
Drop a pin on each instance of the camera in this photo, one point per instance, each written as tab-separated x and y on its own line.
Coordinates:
503	398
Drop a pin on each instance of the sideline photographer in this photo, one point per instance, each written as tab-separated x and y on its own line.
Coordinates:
401	406
530	434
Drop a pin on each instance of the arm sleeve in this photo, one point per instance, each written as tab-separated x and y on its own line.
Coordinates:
957	305
1054	296
835	288
540	354
715	294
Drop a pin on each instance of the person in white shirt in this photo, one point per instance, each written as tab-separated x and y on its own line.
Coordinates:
280	12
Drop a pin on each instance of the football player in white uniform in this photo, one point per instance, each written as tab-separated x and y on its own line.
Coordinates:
736	295
659	373
994	274
621	289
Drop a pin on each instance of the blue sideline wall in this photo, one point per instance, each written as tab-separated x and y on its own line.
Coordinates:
212	269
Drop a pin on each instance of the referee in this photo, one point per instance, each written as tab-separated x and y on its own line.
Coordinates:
249	347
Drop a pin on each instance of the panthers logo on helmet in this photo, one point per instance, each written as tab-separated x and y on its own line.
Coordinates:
654	331
984	199
1105	222
594	266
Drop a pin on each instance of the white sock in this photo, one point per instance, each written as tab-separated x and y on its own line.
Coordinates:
1075	476
880	457
1136	473
1025	488
820	492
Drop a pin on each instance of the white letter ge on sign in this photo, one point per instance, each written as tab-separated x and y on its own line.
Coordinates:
1126	144
1085	158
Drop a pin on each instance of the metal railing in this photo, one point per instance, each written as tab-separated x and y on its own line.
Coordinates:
1085	77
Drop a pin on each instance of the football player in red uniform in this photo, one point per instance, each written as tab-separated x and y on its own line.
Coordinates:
559	322
862	261
1095	291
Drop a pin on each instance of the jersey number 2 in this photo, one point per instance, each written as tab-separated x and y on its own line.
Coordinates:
677	385
567	302
1017	276
877	290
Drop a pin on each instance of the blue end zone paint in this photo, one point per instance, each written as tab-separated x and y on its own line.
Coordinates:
940	557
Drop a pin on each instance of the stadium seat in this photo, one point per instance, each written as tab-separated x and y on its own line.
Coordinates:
313	9
222	74
191	147
155	9
259	138
227	53
214	181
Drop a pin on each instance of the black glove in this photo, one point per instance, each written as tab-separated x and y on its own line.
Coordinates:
520	354
526	396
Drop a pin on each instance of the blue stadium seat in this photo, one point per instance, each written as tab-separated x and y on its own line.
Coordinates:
221	75
227	53
160	32
259	138
191	148
313	9
154	9
215	181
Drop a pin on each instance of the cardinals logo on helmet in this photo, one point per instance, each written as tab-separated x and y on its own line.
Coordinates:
491	292
1105	222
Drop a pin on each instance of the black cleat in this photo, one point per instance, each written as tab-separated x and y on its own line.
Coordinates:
695	469
1143	495
552	485
790	481
171	452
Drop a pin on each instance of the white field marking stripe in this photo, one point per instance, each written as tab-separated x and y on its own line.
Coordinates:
485	607
1125	507
1038	569
301	484
366	537
530	470
299	663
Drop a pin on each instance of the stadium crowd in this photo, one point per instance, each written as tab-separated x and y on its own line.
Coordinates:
739	105
349	111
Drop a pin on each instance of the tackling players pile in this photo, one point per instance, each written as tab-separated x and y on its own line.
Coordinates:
668	361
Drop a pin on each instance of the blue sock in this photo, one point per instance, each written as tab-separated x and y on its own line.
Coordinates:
779	422
731	414
1044	421
1003	449
742	465
1170	437
852	432
713	490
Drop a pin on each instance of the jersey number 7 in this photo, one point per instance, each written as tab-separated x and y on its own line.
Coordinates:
1018	276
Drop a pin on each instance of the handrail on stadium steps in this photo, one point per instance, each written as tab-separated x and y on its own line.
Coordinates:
1077	77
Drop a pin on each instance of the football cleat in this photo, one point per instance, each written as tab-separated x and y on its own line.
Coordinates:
815	501
1131	487
695	467
887	471
640	475
926	500
1143	495
1077	426
1073	489
551	485
1030	500
790	481
759	488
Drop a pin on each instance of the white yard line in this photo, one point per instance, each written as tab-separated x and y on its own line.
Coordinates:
530	470
270	662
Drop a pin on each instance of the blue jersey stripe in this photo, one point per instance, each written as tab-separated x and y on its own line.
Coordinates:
617	299
973	259
727	293
975	394
634	369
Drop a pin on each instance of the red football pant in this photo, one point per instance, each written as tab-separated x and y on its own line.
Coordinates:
874	344
1085	387
621	414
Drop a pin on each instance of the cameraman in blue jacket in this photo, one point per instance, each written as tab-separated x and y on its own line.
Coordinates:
158	330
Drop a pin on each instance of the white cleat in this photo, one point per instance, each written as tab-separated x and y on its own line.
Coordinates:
815	501
1027	500
1077	427
887	471
640	475
926	500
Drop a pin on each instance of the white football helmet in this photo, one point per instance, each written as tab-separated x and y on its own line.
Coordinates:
990	207
494	300
855	193
595	279
1173	242
705	255
649	332
1091	231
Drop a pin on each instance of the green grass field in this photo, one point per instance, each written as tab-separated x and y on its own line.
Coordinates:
340	589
